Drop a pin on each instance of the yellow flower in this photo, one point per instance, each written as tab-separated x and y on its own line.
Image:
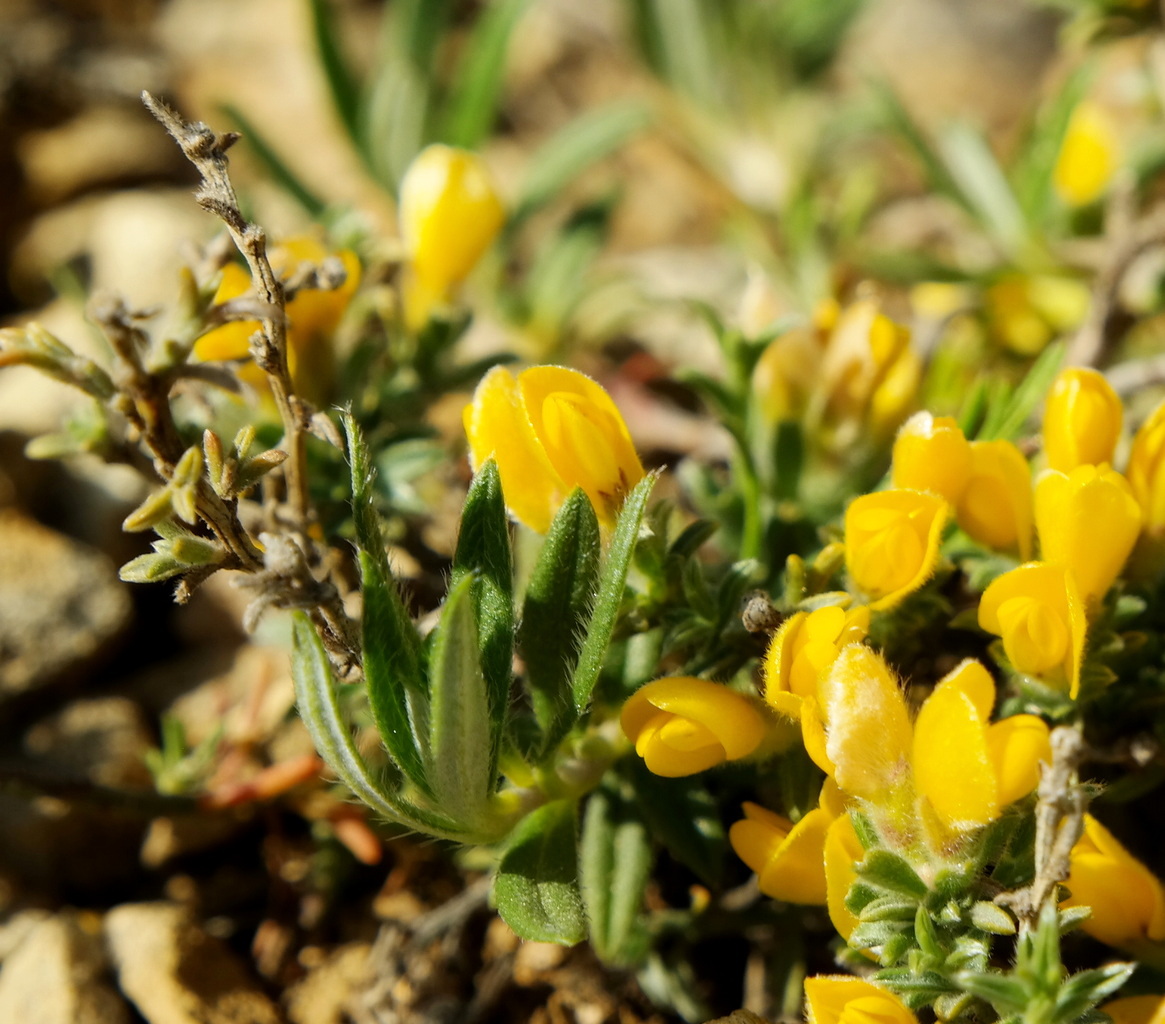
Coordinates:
1127	899
842	999
1146	471
681	725
967	766
1089	156
1136	1010
1087	521
786	857
931	454
892	543
866	726
1082	420
312	316
551	430
803	648
996	506
450	213
1025	311
896	395
1038	612
842	852
785	374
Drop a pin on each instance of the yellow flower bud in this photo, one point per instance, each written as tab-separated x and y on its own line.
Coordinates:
1038	612
842	999
867	725
1127	899
1025	311
551	430
1087	521
966	766
1082	420
312	317
681	725
1089	156
896	395
1136	1010
450	213
892	543
842	852
1146	470
803	648
785	374
931	454
863	345
996	506
786	857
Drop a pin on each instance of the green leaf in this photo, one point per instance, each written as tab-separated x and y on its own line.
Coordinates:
483	556
1003	992
275	166
683	818
889	871
1006	419
612	580
557	601
990	917
980	178
474	96
397	694
343	88
460	766
614	865
319	707
536	886
584	141
1084	990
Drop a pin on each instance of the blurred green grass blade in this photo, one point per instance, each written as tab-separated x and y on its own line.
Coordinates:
274	164
1005	419
472	106
675	37
980	178
581	143
342	86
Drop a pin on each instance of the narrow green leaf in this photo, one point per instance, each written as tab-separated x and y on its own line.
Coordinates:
685	819
980	178
461	759
275	166
319	707
342	86
397	695
1083	990
614	865
483	556
612	580
536	886
474	99
1003	992
1006	419
888	870
583	142
557	601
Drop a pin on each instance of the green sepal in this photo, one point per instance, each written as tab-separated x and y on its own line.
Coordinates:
483	556
554	612
461	759
612	579
889	871
614	867
536	885
319	706
397	693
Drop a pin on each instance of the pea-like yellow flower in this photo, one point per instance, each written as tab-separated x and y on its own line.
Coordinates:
864	726
551	430
843	999
1087	521
996	506
1082	419
1089	156
449	214
1136	1010
892	543
786	373
681	725
931	454
843	850
312	317
806	646
1026	311
1037	611
968	767
1146	470
1127	899
787	858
